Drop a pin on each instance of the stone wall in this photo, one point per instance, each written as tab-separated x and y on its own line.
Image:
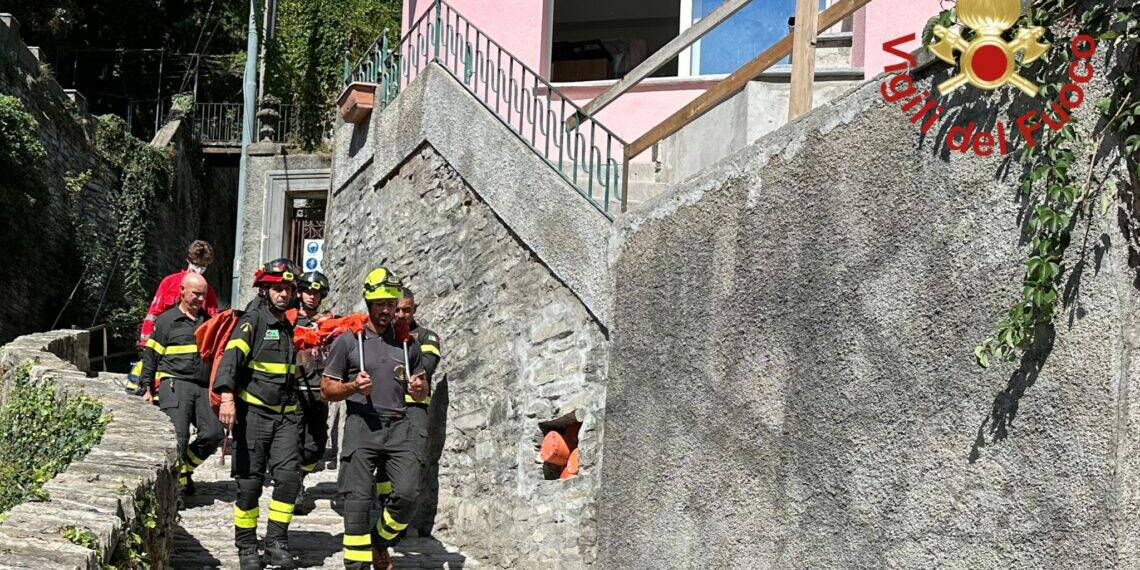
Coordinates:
67	134
101	491
791	382
518	348
195	207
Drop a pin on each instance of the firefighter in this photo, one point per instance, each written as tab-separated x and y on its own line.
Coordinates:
312	288
428	343
199	255
171	355
256	381
378	428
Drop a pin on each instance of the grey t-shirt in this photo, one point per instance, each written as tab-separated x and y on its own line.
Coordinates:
384	361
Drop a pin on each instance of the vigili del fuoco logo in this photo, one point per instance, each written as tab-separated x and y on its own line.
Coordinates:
988	61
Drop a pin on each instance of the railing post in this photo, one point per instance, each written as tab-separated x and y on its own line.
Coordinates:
625	183
105	349
803	58
438	19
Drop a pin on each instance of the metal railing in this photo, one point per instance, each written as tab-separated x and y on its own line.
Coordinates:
221	123
106	355
588	156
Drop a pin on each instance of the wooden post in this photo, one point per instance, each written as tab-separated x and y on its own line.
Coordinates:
105	348
803	58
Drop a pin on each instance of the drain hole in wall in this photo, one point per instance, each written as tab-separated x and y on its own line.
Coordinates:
559	447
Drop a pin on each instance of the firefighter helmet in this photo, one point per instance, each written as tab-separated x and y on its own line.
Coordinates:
277	271
315	281
381	284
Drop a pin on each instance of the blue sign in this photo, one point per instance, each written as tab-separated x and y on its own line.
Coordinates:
311	264
312	247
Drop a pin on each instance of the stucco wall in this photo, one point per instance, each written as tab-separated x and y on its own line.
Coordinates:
791	383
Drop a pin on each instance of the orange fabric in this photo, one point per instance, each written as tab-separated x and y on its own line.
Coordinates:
211	338
554	449
327	330
571	468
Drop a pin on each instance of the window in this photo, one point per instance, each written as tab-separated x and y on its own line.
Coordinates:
604	39
757	25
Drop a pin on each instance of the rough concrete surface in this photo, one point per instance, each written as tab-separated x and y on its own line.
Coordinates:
518	348
791	382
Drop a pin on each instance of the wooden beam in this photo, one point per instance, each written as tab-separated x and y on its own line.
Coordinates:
803	58
735	82
655	61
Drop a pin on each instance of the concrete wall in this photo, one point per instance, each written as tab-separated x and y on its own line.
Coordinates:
104	491
518	348
791	383
273	177
759	109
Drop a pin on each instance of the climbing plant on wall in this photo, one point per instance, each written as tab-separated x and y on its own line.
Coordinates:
42	430
145	176
1062	182
306	56
22	190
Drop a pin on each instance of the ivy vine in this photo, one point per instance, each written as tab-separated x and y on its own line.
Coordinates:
42	430
1061	182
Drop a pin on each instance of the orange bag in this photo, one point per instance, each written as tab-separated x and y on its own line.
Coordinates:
554	449
211	338
571	468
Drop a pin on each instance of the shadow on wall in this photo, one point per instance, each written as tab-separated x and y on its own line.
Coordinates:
998	113
1004	411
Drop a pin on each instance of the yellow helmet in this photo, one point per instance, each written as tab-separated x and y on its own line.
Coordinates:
381	284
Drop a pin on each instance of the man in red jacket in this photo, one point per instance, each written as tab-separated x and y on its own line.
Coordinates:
198	258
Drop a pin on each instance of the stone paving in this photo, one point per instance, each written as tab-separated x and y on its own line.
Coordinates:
204	535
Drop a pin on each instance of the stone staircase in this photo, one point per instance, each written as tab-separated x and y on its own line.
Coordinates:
204	535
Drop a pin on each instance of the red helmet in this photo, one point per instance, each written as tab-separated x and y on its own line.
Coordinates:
277	271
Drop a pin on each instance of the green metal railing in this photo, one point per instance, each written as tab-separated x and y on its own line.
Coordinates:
588	156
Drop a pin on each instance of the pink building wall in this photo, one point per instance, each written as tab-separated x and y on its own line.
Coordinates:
885	20
520	26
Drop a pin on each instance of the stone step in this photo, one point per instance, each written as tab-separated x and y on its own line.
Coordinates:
204	537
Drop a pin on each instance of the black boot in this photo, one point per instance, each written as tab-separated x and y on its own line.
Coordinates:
248	559
277	555
188	487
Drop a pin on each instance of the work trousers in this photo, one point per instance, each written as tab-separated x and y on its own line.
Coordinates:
187	404
418	415
314	430
397	442
265	441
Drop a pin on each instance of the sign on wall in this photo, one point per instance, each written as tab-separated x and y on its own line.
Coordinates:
313	255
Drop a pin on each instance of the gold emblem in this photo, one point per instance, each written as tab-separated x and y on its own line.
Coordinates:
988	60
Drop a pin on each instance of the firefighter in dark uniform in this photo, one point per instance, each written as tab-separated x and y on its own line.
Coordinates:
171	355
430	356
312	288
256	381
378	428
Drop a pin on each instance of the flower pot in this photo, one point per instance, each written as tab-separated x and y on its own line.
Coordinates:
355	103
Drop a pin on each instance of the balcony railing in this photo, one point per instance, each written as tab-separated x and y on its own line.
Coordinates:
588	156
220	123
